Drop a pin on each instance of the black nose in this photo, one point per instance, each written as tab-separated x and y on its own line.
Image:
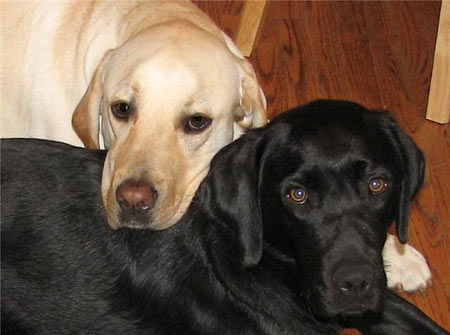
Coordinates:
353	280
136	197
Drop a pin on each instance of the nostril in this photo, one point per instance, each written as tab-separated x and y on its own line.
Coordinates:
346	287
364	286
136	197
354	287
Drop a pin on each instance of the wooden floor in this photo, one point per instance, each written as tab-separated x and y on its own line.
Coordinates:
379	54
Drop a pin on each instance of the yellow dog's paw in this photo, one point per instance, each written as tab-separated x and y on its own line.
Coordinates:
406	269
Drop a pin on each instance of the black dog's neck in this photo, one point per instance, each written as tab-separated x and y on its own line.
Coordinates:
211	275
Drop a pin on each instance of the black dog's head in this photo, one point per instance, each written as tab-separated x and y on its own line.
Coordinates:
321	183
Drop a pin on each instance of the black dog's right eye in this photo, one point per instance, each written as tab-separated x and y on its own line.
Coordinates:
298	195
121	110
378	185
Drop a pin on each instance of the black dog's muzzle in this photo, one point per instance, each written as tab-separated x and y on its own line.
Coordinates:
352	273
355	284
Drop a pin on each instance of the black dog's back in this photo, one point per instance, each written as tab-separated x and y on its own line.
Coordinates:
58	166
66	179
48	178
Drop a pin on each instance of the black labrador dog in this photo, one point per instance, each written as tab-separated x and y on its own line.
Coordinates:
284	236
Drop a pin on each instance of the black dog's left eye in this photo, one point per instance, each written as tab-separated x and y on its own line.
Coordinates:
377	185
298	195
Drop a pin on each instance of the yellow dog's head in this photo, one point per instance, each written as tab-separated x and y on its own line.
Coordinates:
169	98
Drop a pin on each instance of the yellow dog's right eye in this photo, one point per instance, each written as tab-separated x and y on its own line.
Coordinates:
121	110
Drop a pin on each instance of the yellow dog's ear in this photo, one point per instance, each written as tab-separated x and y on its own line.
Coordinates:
85	119
253	102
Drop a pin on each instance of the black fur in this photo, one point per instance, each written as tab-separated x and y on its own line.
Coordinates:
244	259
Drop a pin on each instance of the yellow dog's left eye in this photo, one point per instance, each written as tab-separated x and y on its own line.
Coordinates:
377	185
197	123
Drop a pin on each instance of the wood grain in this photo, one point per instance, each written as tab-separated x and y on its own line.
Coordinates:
380	54
250	21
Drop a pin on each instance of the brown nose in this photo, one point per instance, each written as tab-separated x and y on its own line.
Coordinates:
136	197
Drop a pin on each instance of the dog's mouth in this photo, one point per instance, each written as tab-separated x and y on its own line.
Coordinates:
135	201
357	309
330	306
348	291
138	220
157	217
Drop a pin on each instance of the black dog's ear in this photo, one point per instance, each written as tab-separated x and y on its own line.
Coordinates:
413	165
230	194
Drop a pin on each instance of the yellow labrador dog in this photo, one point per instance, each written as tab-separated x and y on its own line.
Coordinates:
162	83
157	82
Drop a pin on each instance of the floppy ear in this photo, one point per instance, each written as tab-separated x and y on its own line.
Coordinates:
230	195
252	110
413	166
85	119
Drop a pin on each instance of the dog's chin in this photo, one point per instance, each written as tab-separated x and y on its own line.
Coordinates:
139	220
351	312
136	221
331	307
358	310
